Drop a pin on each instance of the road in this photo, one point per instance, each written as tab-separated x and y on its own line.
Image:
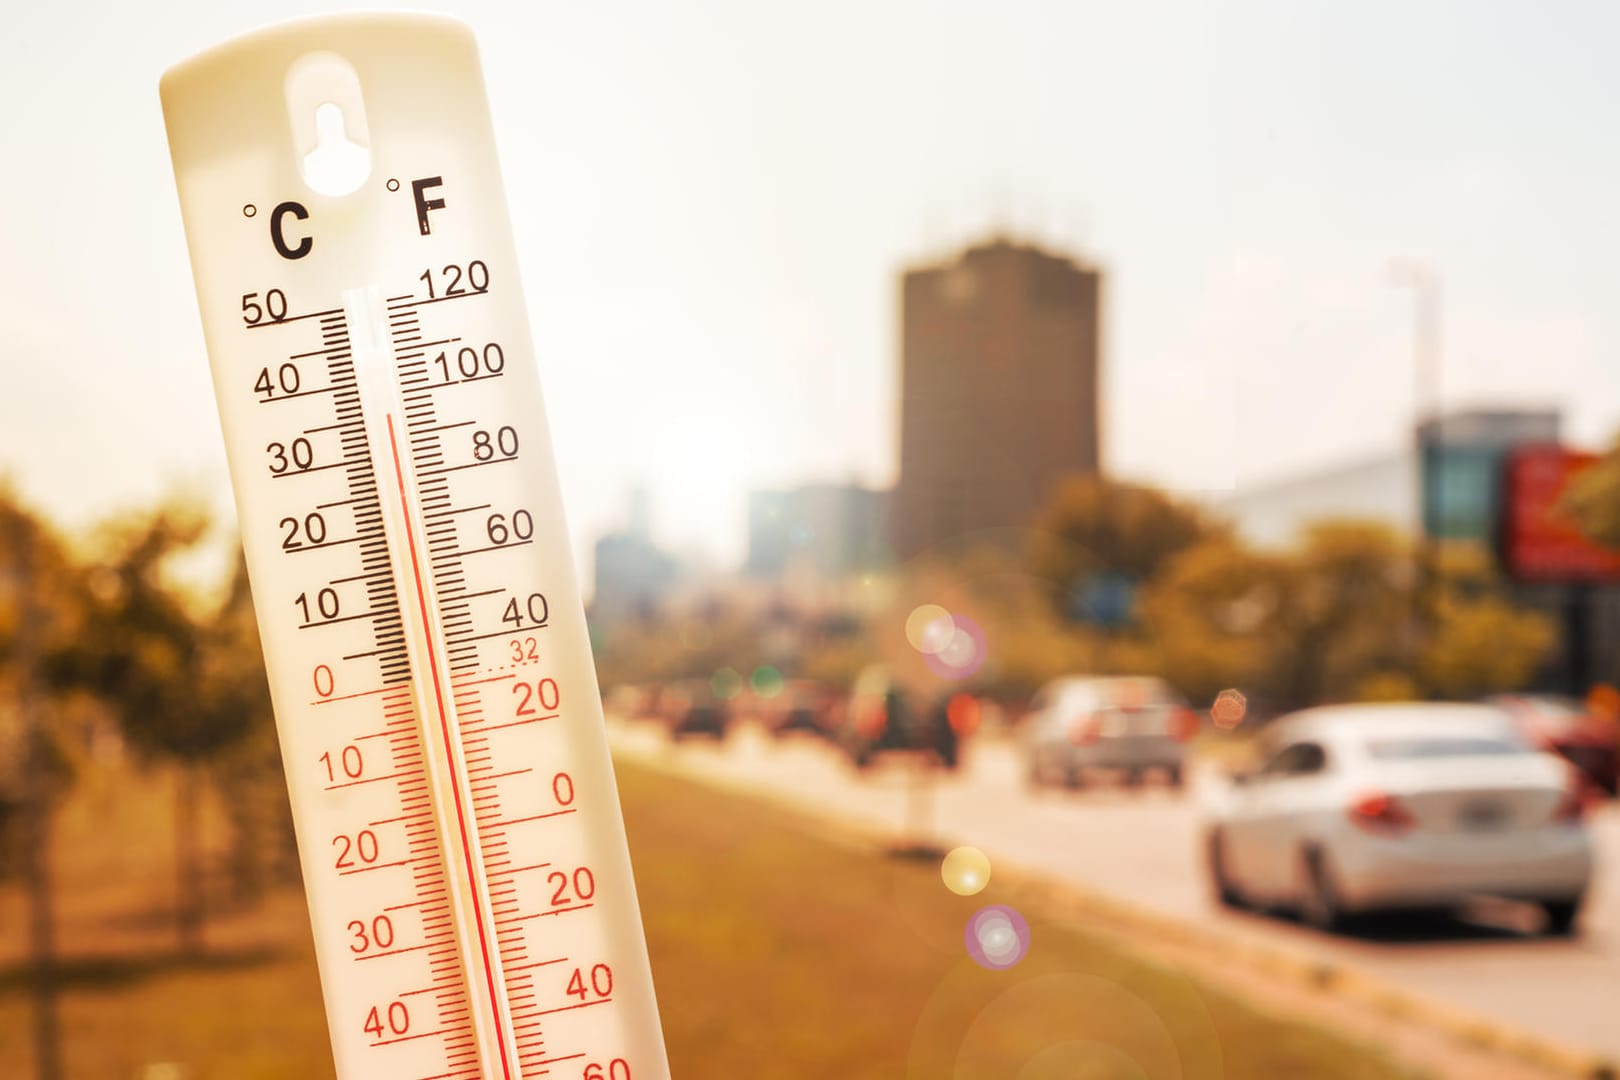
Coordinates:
1143	847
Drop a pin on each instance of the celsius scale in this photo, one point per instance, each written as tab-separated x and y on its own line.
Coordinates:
458	825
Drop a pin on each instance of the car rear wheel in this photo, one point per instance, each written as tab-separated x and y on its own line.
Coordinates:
1220	876
1560	917
1044	769
1319	903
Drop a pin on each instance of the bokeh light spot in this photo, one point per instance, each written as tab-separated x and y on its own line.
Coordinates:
1229	709
997	937
964	654
767	681
959	653
929	628
966	871
726	683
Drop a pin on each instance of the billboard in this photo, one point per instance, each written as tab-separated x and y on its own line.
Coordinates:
1538	541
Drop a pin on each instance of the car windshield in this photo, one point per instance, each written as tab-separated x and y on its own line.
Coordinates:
1424	747
1555	708
1147	720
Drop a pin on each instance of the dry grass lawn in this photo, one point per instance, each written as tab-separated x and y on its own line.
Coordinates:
778	952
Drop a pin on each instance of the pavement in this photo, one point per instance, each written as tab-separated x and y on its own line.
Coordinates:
1142	847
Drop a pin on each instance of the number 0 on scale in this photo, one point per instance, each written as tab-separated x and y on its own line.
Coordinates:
458	825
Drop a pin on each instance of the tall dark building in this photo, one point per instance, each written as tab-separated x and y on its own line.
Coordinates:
998	397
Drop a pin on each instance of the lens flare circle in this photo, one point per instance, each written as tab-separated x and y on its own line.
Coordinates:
964	654
726	683
965	870
929	628
997	937
766	681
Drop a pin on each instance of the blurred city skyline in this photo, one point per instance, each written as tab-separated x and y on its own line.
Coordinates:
714	207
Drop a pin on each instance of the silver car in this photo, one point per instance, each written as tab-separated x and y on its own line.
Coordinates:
1129	725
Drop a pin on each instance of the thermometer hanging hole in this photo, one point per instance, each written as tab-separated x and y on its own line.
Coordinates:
337	165
328	120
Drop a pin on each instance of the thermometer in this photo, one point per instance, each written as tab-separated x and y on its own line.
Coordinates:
458	825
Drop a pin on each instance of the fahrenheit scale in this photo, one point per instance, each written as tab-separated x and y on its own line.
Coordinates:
459	830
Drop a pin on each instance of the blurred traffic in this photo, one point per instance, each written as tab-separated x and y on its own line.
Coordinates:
1413	841
1328	813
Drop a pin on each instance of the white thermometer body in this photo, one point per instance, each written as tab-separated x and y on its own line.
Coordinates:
458	825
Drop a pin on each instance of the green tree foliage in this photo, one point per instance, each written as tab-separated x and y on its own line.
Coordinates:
184	686
1027	641
692	646
42	619
41	593
1097	526
1336	618
1346	611
1288	628
247	770
835	663
1215	618
1478	642
147	655
184	682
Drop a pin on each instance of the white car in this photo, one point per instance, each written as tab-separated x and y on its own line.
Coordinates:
1367	807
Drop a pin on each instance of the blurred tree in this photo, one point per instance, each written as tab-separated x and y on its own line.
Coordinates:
247	770
1214	617
1331	620
837	662
182	686
1028	641
1097	540
1593	499
1345	613
1478	642
1388	686
714	636
42	616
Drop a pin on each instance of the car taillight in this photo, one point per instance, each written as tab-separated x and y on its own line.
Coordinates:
1084	731
1380	813
963	713
1572	804
1183	724
871	720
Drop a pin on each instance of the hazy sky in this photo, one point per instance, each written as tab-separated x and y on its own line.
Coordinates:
713	200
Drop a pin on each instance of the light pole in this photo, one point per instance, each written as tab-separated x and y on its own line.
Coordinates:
1427	422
